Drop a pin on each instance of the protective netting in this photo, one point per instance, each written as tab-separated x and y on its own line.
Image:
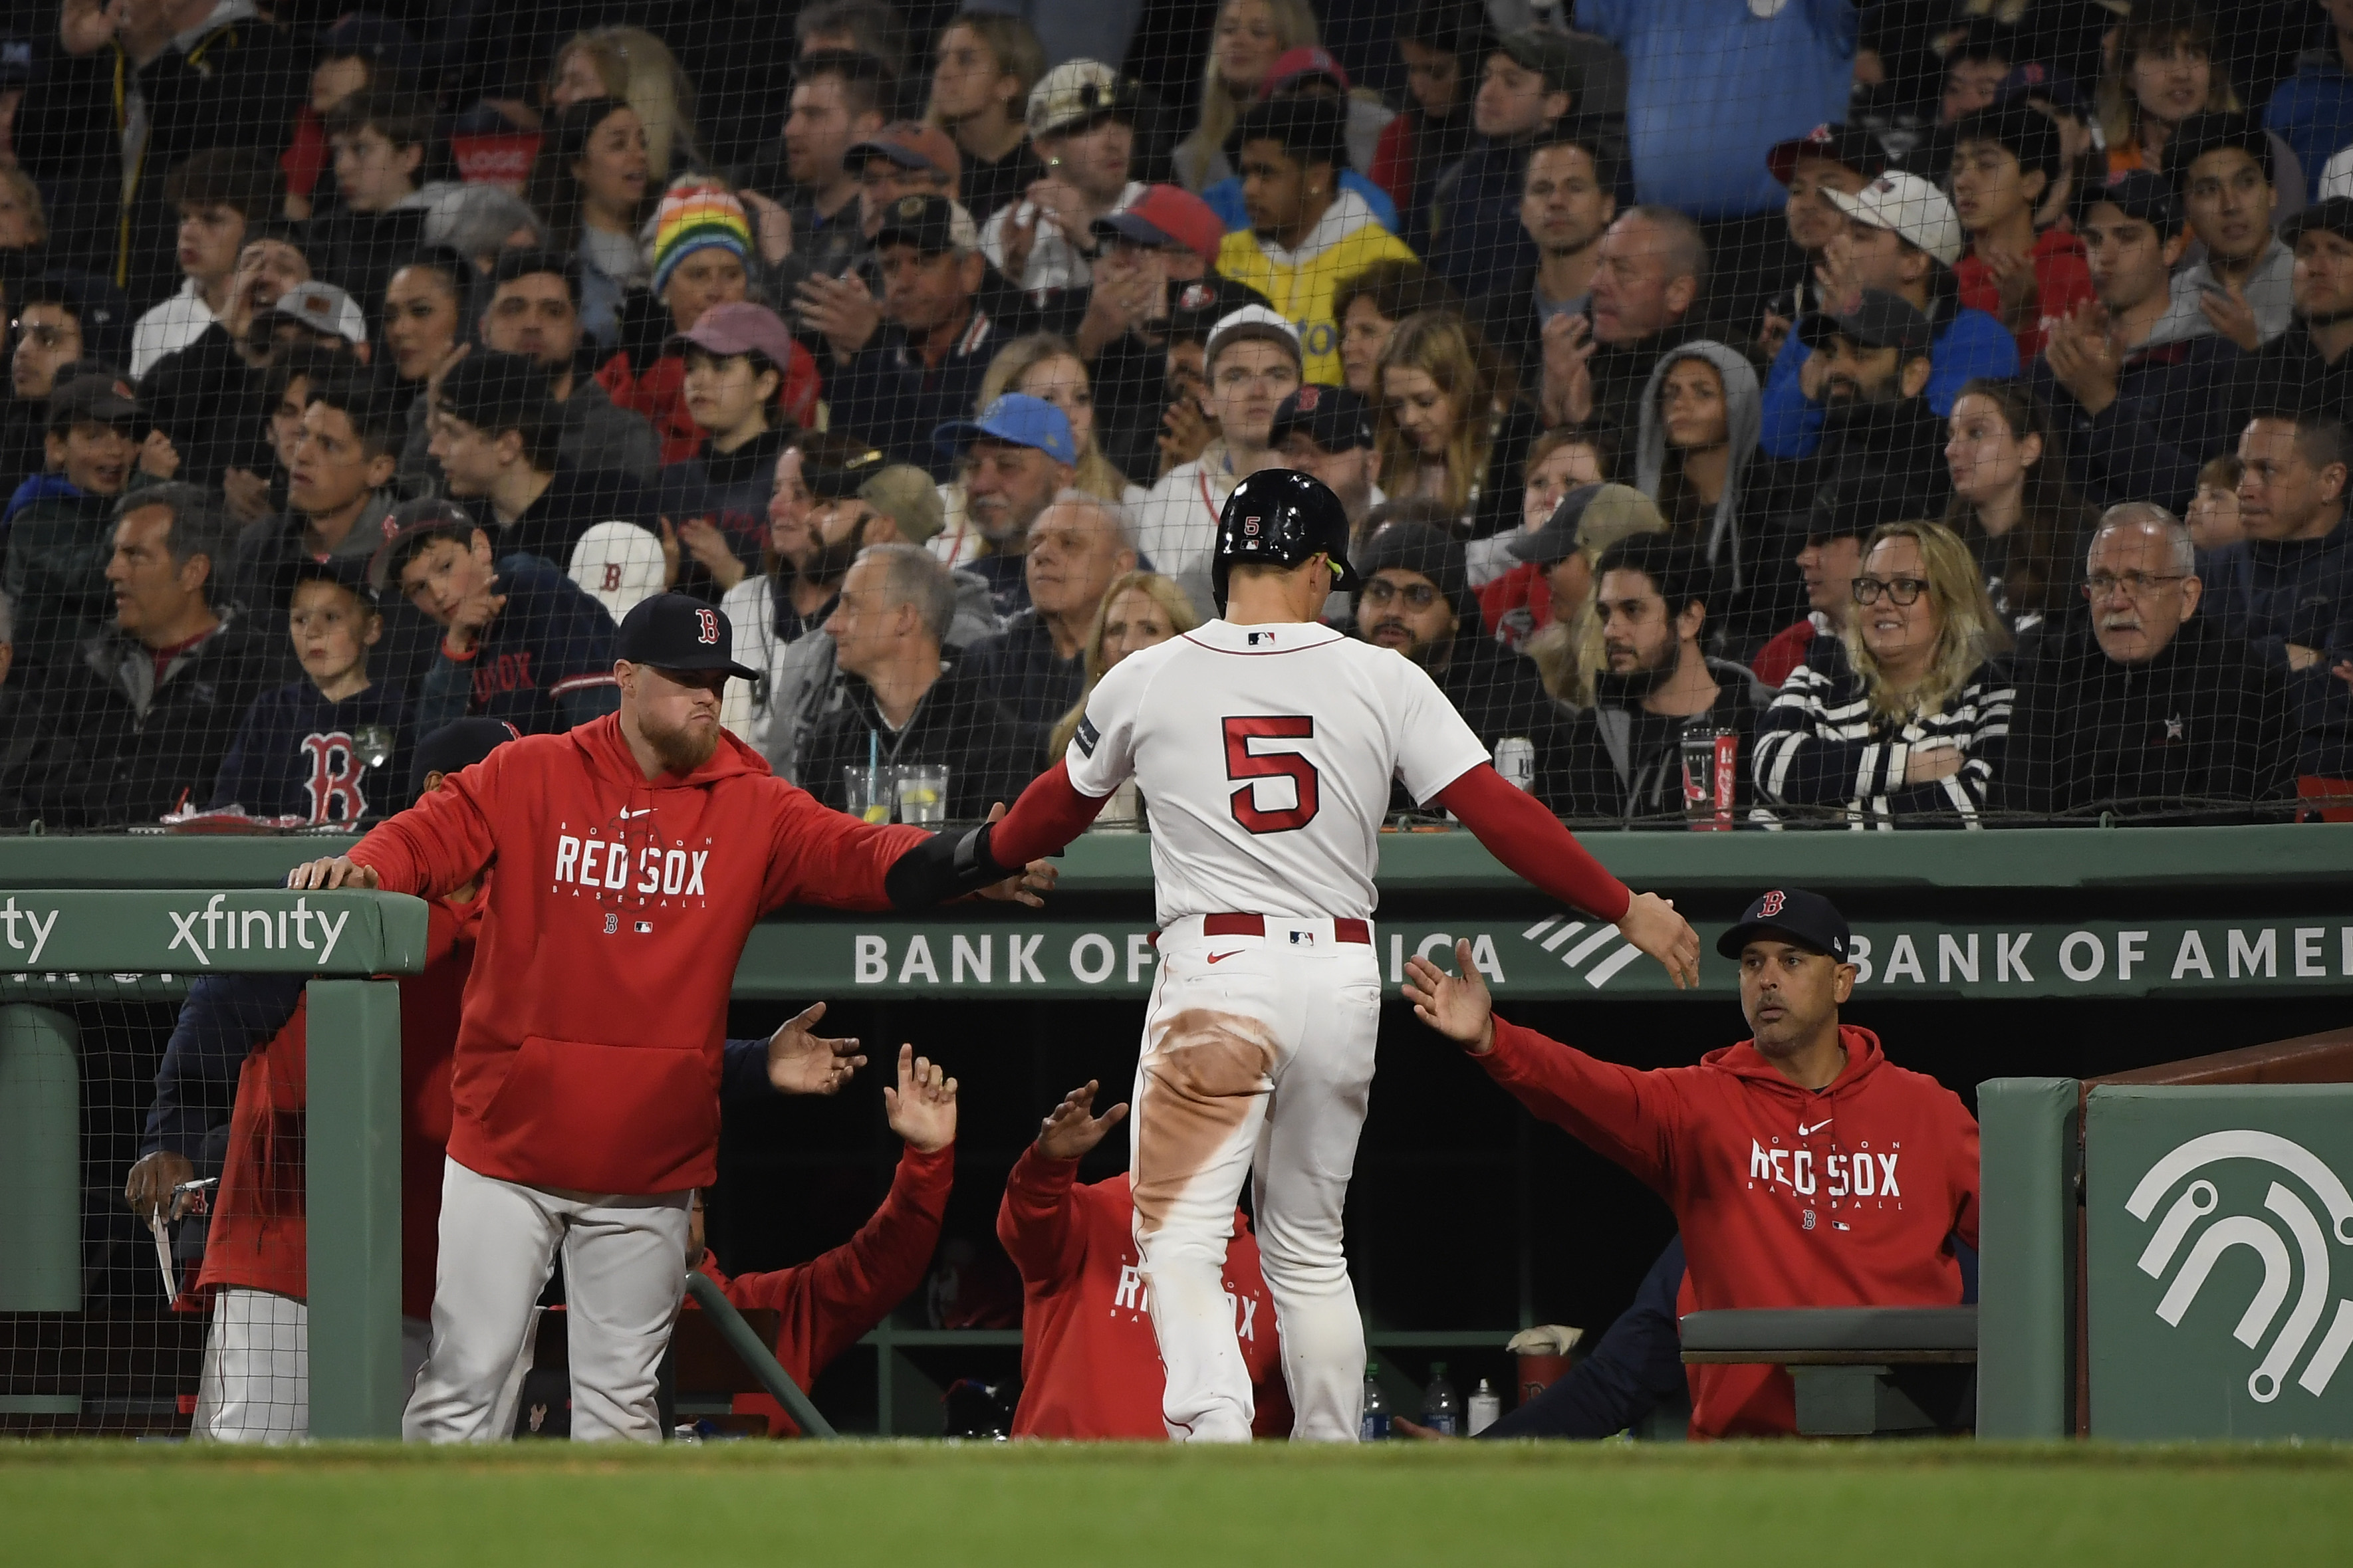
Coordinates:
1755	413
719	298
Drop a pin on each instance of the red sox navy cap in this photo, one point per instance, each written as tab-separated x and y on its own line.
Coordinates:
1794	915
676	631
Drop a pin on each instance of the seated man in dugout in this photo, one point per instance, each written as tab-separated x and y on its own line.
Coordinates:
1857	1177
1089	1361
825	1305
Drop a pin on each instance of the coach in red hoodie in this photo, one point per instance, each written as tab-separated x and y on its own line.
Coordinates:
1089	1364
1805	1169
633	855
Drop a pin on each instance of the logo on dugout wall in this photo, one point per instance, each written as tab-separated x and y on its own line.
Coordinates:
2295	1300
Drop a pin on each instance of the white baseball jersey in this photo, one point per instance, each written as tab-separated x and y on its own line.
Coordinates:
1265	753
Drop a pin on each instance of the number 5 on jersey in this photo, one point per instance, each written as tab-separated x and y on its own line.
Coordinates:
1244	763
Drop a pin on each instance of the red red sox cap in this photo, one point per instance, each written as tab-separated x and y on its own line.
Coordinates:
677	631
1793	915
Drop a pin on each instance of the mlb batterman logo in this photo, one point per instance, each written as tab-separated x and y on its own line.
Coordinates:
2290	1242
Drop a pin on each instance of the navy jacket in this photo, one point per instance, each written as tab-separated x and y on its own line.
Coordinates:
576	500
1019	668
297	754
225	1016
888	396
2168	417
729	489
2271	593
1635	1368
1475	241
543	665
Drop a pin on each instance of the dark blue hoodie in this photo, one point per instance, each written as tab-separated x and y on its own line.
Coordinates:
297	754
2275	592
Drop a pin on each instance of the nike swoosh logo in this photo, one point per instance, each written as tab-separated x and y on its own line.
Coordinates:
1216	957
1806	1131
649	811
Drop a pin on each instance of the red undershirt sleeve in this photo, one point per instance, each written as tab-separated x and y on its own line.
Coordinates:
1050	813
1530	841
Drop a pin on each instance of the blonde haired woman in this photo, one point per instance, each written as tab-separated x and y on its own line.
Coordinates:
1139	610
1243	47
1448	429
1045	366
1904	716
631	64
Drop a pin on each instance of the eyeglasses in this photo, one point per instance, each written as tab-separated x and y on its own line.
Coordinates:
1899	590
1420	595
2100	585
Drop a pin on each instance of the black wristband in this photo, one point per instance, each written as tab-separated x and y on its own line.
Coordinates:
941	868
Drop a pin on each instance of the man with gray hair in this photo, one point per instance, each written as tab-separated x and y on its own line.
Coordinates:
1650	275
1037	666
141	717
906	699
2145	709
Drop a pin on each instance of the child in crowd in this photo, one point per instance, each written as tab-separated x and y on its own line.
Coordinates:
316	748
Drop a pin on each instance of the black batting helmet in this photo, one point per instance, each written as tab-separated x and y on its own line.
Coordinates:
1281	516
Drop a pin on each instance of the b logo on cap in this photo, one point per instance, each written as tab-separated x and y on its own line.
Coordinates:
1771	904
1309	396
707	632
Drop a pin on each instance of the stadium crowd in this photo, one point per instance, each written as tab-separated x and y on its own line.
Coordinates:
1922	413
1944	428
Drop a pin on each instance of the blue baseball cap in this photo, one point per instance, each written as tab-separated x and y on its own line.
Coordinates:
1808	919
1017	418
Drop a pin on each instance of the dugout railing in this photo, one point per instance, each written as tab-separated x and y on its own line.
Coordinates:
2250	916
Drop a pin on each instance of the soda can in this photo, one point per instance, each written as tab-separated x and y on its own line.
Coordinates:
1515	759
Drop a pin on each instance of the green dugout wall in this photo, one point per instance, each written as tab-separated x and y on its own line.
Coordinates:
2246	916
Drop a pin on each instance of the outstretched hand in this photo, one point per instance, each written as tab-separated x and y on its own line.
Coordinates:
800	1062
1456	1006
923	1107
1069	1130
1651	924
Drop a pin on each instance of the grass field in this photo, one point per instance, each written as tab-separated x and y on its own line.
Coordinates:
1729	1506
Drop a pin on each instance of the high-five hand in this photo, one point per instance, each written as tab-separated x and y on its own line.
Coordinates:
1651	924
1456	1006
1069	1132
922	1109
800	1062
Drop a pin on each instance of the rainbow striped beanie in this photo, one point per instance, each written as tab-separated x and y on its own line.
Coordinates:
697	217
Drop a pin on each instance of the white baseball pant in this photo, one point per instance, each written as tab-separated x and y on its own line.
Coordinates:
624	1275
254	1384
1257	1061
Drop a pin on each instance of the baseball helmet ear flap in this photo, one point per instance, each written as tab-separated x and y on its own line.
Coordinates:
1280	517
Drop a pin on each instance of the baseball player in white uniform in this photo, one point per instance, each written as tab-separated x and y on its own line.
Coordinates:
1266	743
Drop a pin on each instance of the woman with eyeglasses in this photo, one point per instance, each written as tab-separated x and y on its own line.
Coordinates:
1902	719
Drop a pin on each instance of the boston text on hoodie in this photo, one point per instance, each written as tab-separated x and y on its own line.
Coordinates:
1845	1196
590	1052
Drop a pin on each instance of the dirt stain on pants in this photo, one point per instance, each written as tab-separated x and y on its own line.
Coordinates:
1202	1080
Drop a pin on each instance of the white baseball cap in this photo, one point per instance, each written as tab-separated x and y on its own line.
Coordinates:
1251	321
1073	94
618	564
324	307
1911	206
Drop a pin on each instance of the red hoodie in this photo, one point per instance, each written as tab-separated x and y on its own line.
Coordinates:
1787	1196
2062	280
257	1239
589	1054
1090	1361
831	1301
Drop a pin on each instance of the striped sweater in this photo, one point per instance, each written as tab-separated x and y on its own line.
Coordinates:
1821	746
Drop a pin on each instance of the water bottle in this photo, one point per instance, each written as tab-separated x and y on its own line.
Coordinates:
1376	1423
1486	1408
1442	1408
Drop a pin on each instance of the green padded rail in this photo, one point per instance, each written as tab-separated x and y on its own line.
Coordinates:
61	930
